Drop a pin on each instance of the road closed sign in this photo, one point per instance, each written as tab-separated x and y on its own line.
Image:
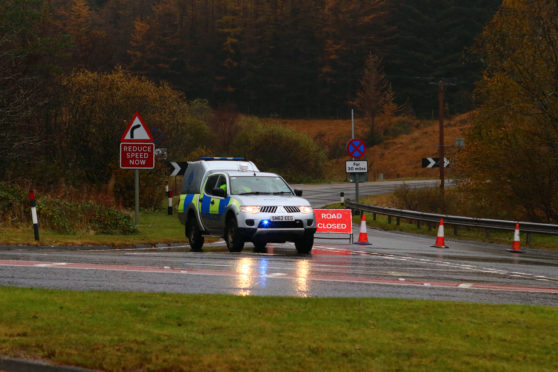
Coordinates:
334	221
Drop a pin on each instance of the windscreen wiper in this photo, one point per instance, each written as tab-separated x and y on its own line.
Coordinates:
255	193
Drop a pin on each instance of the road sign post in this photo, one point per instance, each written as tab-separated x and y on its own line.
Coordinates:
356	148
137	151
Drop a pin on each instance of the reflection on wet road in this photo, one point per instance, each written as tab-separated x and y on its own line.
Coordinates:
396	265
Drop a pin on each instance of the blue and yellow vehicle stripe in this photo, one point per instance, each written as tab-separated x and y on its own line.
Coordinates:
185	200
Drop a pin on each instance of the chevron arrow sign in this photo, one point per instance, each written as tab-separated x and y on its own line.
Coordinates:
178	168
434	163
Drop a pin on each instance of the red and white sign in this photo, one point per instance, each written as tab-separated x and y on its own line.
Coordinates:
137	131
137	150
137	155
336	221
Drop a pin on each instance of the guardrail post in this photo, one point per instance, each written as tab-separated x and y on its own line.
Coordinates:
455	230
374	216
389	220
397	221
528	238
487	233
429	226
418	224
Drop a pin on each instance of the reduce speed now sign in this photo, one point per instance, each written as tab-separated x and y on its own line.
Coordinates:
137	150
137	155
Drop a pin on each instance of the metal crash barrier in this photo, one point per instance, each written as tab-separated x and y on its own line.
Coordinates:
455	221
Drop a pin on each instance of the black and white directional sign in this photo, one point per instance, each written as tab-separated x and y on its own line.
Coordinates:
434	163
178	168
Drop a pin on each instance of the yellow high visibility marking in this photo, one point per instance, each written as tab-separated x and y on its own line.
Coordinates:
214	208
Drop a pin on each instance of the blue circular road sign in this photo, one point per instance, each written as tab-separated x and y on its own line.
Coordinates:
356	148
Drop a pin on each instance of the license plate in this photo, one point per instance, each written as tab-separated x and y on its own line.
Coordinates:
282	218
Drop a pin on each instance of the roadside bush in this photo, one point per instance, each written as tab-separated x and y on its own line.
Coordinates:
456	201
427	200
152	187
287	152
13	203
60	215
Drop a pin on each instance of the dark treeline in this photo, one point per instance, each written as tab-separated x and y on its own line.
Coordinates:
298	58
72	72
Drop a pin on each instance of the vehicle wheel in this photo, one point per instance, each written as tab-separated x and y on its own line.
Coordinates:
304	244
194	235
232	237
259	247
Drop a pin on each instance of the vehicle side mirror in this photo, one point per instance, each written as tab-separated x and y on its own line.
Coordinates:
219	192
298	192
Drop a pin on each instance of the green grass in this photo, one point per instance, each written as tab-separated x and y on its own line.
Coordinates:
133	331
154	227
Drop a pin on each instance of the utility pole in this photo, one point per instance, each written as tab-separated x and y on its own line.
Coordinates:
441	120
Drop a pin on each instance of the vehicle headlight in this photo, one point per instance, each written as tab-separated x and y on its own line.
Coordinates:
251	209
305	209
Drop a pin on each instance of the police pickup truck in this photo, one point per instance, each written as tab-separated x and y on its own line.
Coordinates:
231	198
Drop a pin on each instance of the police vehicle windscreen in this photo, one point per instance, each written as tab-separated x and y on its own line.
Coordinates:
256	185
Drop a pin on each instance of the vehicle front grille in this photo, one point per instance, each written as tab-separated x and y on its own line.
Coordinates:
268	209
292	209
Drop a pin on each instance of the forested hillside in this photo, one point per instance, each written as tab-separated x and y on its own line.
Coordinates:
203	72
73	72
296	58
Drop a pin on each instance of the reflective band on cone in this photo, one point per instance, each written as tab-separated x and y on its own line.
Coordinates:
363	236
440	238
516	245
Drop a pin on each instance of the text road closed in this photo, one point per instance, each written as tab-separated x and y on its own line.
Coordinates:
336	221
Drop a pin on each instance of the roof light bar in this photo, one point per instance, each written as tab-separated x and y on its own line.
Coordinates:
221	158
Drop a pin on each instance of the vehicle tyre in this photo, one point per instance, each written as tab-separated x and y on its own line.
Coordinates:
194	235
305	243
232	236
259	246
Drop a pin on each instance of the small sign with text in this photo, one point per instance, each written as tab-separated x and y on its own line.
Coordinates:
356	166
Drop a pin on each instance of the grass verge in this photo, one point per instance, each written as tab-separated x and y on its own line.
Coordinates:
154	227
135	331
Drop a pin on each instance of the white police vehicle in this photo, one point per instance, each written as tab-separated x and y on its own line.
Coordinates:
231	198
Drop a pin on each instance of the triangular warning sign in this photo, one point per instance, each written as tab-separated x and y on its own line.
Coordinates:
137	131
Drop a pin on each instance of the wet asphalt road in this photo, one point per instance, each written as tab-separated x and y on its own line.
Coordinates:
396	265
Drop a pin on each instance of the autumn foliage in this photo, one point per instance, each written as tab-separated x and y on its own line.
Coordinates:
73	72
511	161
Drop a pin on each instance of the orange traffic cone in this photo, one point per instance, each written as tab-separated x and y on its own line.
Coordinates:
516	245
363	236
440	238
